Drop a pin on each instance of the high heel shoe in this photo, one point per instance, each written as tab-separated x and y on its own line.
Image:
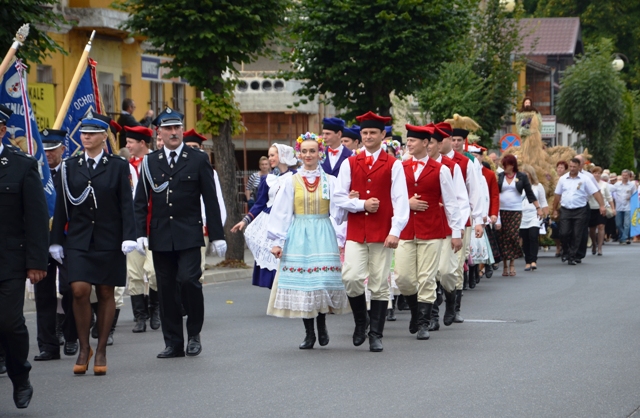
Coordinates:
99	370
82	368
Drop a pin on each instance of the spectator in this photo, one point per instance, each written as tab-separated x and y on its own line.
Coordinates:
126	119
622	193
530	224
597	221
254	181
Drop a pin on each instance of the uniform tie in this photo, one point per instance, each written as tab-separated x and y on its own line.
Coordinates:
334	152
91	162
416	164
369	160
172	158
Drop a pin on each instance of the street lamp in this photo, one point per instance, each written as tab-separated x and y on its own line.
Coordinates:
618	61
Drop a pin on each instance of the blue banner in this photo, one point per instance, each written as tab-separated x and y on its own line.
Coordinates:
634	214
83	100
22	129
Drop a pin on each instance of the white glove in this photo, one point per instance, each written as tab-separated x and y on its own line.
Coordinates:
57	253
142	245
221	247
128	246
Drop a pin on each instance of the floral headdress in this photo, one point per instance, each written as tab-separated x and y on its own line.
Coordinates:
395	145
309	136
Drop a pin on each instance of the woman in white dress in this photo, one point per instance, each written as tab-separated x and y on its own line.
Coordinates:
282	159
308	282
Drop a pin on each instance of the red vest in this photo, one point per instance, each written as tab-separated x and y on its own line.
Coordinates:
375	182
494	192
428	224
449	163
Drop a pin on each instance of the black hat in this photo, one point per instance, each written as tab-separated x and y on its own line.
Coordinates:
52	138
463	133
168	117
5	114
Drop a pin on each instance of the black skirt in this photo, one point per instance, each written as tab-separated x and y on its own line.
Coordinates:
96	267
596	218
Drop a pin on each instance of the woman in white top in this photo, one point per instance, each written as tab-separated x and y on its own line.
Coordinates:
530	224
597	221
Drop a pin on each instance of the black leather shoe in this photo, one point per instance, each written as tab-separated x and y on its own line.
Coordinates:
140	326
45	355
193	346
70	348
579	261
310	336
171	352
572	263
22	394
323	333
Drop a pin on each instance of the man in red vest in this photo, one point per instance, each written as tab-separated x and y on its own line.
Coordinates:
433	205
375	221
138	139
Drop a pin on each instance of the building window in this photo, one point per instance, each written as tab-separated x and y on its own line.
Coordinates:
107	93
157	97
44	74
125	87
180	100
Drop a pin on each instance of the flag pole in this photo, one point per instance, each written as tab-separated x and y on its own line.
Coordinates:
21	36
82	66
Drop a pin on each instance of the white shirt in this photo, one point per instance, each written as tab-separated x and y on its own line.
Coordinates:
622	195
1	146
605	189
399	194
473	189
282	215
460	190
96	159
575	191
529	212
448	197
333	159
510	199
484	188
168	151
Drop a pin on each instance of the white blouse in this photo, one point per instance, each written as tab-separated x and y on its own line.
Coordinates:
282	214
529	213
510	199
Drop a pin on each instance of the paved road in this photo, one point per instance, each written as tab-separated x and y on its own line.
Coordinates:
570	348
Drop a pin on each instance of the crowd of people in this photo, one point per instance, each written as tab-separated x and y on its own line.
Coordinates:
348	221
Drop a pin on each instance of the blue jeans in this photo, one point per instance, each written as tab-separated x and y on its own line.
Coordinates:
622	223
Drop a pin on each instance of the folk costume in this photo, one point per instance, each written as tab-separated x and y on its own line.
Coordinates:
372	175
418	253
264	269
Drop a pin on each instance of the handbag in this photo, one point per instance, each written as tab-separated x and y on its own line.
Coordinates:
609	213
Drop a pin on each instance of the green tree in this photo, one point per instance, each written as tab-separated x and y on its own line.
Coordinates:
208	39
624	150
591	100
356	52
486	75
39	14
613	19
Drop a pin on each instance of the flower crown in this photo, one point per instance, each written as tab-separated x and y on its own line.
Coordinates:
394	145
309	136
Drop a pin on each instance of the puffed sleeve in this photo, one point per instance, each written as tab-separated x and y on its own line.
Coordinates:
281	214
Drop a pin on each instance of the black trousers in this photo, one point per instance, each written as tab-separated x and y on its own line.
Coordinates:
530	244
584	239
46	299
69	325
573	224
178	274
14	336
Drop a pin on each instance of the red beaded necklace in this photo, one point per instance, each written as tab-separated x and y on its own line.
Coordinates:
311	187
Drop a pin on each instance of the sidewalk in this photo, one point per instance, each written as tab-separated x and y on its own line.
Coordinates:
212	275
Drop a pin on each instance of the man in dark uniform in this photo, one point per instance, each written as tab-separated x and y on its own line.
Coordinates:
172	180
24	236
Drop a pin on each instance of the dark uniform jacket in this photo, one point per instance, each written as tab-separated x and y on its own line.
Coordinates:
24	217
105	226
176	218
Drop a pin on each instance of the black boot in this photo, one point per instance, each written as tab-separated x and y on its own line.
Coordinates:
310	339
154	309
434	324
94	323
147	311
139	314
3	366
59	334
113	327
477	273
391	313
323	333
465	279
360	317
472	277
402	303
450	307
378	315
424	319
457	318
412	301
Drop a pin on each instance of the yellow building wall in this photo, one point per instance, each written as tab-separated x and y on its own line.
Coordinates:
113	56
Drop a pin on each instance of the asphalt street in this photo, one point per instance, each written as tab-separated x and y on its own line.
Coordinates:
563	341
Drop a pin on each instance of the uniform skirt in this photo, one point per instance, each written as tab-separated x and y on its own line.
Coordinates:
510	234
96	267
